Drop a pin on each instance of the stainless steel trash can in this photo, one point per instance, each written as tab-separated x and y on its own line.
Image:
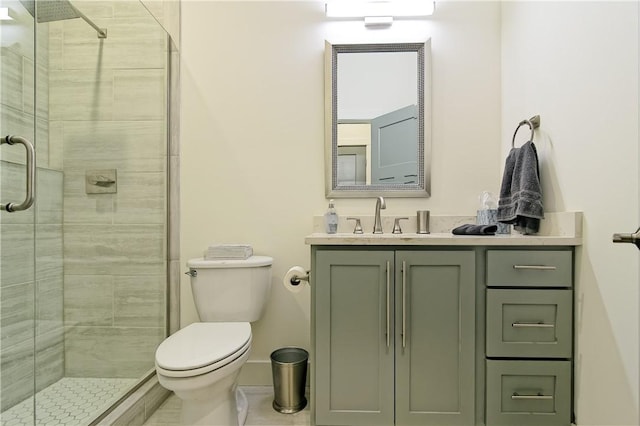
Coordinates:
289	368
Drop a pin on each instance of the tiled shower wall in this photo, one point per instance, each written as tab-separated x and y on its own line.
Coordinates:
107	111
31	291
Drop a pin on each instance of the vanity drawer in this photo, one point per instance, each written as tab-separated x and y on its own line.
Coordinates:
529	323
528	393
529	268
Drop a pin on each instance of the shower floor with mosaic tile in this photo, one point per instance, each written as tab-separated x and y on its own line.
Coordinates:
70	401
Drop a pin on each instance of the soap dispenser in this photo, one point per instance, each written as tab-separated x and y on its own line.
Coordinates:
331	219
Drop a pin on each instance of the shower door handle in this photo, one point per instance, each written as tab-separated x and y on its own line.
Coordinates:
31	173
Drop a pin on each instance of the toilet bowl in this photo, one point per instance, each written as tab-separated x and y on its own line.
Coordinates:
201	363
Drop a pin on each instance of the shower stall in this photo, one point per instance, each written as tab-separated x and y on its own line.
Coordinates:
86	169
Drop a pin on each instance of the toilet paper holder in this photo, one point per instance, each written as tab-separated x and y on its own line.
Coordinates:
296	279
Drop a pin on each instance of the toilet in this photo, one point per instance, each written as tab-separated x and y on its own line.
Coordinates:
201	362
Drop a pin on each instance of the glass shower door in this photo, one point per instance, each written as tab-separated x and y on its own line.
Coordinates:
83	271
17	228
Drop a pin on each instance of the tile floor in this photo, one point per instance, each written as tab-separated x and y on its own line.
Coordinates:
261	413
70	401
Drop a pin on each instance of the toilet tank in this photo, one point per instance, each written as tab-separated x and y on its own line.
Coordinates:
230	290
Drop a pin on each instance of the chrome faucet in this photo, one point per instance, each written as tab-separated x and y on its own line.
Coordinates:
377	223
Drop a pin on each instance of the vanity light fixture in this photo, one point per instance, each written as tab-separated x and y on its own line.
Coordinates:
378	21
5	14
378	12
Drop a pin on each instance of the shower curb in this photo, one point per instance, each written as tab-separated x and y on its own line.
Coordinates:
136	408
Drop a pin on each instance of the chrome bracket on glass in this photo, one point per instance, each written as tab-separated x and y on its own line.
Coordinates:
31	174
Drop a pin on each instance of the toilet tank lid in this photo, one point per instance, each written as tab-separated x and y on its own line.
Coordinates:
251	262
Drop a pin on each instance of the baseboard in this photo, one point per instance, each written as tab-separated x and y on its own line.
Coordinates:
256	373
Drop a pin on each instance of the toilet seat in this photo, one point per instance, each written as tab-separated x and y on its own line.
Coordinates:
202	347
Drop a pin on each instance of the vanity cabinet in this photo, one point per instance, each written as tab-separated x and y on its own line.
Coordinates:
393	336
529	337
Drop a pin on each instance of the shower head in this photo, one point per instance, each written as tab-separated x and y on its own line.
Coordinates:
51	10
58	10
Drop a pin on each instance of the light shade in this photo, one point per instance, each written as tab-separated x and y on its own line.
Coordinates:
378	21
5	14
360	8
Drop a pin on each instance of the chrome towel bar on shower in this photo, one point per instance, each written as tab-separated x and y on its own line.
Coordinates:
533	123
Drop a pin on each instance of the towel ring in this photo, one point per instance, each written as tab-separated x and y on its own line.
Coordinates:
533	123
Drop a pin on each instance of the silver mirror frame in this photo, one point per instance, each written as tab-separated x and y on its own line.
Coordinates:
423	187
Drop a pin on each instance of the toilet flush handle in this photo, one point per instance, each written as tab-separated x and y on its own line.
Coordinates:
192	273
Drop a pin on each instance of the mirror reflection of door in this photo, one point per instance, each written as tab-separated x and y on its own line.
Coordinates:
354	153
394	147
352	165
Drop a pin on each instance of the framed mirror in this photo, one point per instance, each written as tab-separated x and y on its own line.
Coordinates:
377	119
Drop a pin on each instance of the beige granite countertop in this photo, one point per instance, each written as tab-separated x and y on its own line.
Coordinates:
557	229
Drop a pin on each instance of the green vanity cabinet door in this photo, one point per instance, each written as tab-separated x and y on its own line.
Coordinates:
435	356
354	379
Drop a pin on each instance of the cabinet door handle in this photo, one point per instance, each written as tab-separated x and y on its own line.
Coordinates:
538	396
388	309
404	304
532	325
536	267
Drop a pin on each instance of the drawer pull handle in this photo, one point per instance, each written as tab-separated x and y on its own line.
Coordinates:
535	267
539	396
532	325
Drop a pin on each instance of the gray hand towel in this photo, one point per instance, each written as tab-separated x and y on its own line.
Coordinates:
469	229
520	201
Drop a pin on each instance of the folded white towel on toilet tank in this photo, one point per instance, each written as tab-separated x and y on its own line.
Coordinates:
228	251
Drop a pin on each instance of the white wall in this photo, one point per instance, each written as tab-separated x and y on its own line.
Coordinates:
252	133
576	64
